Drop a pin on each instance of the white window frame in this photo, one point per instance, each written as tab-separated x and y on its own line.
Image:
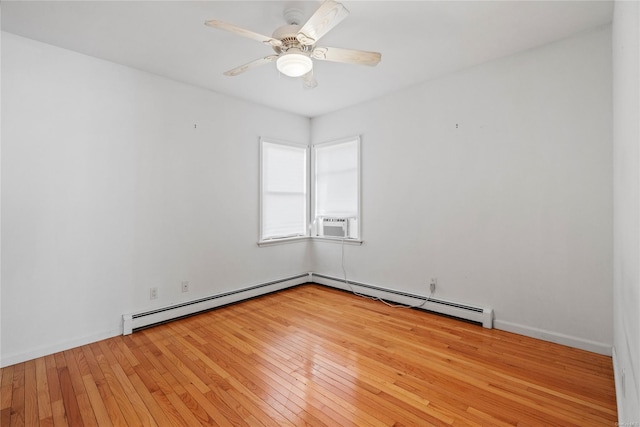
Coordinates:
314	192
284	239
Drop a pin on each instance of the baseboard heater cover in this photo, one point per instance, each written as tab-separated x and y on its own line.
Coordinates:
137	321
481	315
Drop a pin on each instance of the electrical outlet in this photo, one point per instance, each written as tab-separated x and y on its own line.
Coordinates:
185	286
432	284
153	293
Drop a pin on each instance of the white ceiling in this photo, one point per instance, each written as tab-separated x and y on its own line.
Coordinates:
419	40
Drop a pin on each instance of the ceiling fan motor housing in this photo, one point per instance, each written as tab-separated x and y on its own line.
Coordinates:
287	35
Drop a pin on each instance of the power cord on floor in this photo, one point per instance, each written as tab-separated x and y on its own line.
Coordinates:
353	291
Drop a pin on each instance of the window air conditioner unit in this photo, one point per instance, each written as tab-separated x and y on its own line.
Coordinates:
334	227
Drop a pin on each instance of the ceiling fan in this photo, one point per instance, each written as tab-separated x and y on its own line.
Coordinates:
295	44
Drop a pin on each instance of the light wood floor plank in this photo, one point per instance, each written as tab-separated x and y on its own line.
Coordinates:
17	398
31	417
129	416
44	401
69	400
97	405
109	402
6	395
55	394
84	405
312	356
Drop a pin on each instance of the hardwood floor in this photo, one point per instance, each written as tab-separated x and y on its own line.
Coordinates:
312	356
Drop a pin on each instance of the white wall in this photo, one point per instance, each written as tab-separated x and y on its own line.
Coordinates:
626	161
108	190
497	181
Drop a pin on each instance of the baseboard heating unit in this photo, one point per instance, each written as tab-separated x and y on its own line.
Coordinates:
137	321
480	315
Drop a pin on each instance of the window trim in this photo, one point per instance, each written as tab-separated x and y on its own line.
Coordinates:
289	239
313	183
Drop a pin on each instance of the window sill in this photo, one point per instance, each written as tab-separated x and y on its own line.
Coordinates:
355	242
285	240
282	241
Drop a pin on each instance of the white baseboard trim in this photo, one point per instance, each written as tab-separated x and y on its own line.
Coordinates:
134	321
555	337
616	380
481	315
12	359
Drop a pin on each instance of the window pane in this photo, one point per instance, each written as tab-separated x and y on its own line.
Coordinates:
284	190
337	179
337	182
337	157
282	216
338	199
285	168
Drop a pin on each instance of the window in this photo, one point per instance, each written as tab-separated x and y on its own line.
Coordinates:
337	189
283	190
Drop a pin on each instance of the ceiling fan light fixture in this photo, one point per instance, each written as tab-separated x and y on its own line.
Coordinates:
294	64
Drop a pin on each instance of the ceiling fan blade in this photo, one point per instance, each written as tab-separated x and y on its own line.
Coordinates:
308	80
252	64
348	56
243	32
329	14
